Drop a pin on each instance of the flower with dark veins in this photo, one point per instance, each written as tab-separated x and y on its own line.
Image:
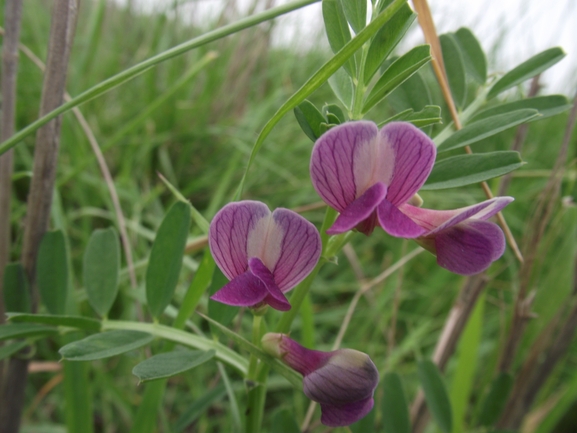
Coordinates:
264	254
462	239
371	177
366	174
342	382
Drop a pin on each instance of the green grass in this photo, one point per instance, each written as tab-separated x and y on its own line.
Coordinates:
200	139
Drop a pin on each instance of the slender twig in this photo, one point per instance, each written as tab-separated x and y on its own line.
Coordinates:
541	217
428	26
103	169
520	136
534	373
12	16
364	288
40	197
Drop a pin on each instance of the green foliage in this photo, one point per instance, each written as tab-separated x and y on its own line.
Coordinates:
169	364
337	29
386	39
397	73
394	405
529	68
464	170
52	272
16	290
436	394
104	345
166	258
101	269
487	127
455	66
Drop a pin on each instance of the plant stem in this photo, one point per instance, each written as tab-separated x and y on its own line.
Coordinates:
12	16
223	353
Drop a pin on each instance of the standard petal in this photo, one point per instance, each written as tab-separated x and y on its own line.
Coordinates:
338	416
396	223
359	210
228	235
275	298
470	247
436	221
414	155
333	165
245	290
300	248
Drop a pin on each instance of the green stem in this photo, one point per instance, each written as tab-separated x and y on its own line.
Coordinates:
252	366
223	353
127	74
360	87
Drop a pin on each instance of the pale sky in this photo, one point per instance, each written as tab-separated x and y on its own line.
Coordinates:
510	31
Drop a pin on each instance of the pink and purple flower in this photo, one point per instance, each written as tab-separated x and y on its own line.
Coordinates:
370	176
264	254
342	382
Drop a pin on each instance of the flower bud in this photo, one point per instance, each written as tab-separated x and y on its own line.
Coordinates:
342	382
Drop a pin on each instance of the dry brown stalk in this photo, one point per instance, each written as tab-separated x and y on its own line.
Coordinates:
428	26
64	15
102	165
12	16
520	136
541	217
547	350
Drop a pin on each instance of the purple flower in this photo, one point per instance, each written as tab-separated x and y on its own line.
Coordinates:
370	176
366	174
264	254
463	240
342	382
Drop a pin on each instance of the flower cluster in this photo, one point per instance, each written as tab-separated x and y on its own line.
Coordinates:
371	178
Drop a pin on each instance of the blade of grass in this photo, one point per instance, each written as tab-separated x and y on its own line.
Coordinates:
114	81
319	78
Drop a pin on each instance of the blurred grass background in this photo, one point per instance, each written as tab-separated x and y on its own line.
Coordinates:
199	138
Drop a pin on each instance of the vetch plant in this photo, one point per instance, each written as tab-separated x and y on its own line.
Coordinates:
342	381
264	254
320	284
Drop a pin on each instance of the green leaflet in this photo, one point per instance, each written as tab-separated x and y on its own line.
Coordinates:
455	67
467	169
338	32
473	55
398	72
101	269
16	291
104	345
52	272
547	106
169	364
394	406
528	69
484	128
166	258
436	394
79	322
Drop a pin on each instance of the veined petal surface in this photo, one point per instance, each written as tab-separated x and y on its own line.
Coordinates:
338	157
228	235
414	156
469	247
275	298
359	210
436	221
300	248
